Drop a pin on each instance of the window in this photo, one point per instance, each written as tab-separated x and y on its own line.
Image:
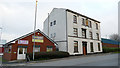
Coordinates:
83	33
86	22
90	24
98	46
55	22
83	21
50	23
49	48
74	19
96	26
54	34
75	46
8	49
37	48
90	34
21	51
51	35
97	36
91	47
75	31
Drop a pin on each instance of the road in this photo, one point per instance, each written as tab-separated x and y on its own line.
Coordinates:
0	60
92	60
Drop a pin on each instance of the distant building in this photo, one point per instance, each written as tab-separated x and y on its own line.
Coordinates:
17	48
75	33
2	42
110	43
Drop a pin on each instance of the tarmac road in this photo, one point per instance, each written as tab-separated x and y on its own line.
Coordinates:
95	60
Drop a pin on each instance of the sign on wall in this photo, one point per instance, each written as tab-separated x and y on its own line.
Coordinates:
22	41
37	39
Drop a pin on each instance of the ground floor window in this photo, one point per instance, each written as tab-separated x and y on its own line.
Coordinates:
8	49
49	48
98	46
91	47
37	48
75	46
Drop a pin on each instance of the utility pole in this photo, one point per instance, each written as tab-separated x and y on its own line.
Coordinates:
1	34
48	24
35	29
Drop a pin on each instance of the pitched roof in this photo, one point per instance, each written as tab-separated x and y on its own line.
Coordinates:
28	35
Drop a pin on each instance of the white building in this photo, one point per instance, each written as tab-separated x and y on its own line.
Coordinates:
74	32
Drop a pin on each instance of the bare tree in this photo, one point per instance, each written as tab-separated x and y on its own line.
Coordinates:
115	37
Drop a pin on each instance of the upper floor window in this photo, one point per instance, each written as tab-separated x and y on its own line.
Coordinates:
74	19
83	21
50	23
90	34
96	25
84	33
75	31
90	24
55	22
86	22
97	36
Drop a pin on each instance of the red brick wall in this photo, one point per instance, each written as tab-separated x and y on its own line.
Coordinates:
30	46
1	50
109	45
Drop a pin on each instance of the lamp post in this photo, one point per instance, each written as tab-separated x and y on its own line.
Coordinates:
35	28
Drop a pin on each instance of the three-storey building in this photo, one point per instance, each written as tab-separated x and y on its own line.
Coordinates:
74	32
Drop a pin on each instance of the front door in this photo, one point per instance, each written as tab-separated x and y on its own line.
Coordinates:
22	53
84	44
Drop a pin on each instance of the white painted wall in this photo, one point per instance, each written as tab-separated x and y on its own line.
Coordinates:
79	26
59	15
60	28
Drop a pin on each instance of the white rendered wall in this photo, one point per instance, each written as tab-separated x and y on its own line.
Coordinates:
60	28
79	26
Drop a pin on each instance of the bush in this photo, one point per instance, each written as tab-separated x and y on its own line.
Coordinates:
48	55
107	50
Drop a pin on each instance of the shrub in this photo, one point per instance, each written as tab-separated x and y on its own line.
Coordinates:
48	55
107	50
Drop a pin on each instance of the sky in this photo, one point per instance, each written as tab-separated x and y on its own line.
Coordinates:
17	16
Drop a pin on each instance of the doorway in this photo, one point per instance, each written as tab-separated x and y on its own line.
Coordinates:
84	44
21	53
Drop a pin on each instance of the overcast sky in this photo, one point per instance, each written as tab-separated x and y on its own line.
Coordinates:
17	16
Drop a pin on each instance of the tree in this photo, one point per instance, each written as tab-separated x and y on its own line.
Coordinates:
115	37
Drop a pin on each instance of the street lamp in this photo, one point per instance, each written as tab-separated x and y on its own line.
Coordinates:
35	29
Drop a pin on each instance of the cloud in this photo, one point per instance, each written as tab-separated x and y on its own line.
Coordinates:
17	16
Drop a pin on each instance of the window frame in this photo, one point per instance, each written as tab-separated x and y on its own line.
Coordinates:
75	31
49	47
90	34
91	47
97	26
75	19
99	49
75	47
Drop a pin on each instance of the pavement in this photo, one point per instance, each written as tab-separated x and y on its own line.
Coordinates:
108	59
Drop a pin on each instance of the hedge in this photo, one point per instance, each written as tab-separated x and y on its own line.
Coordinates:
48	55
107	50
